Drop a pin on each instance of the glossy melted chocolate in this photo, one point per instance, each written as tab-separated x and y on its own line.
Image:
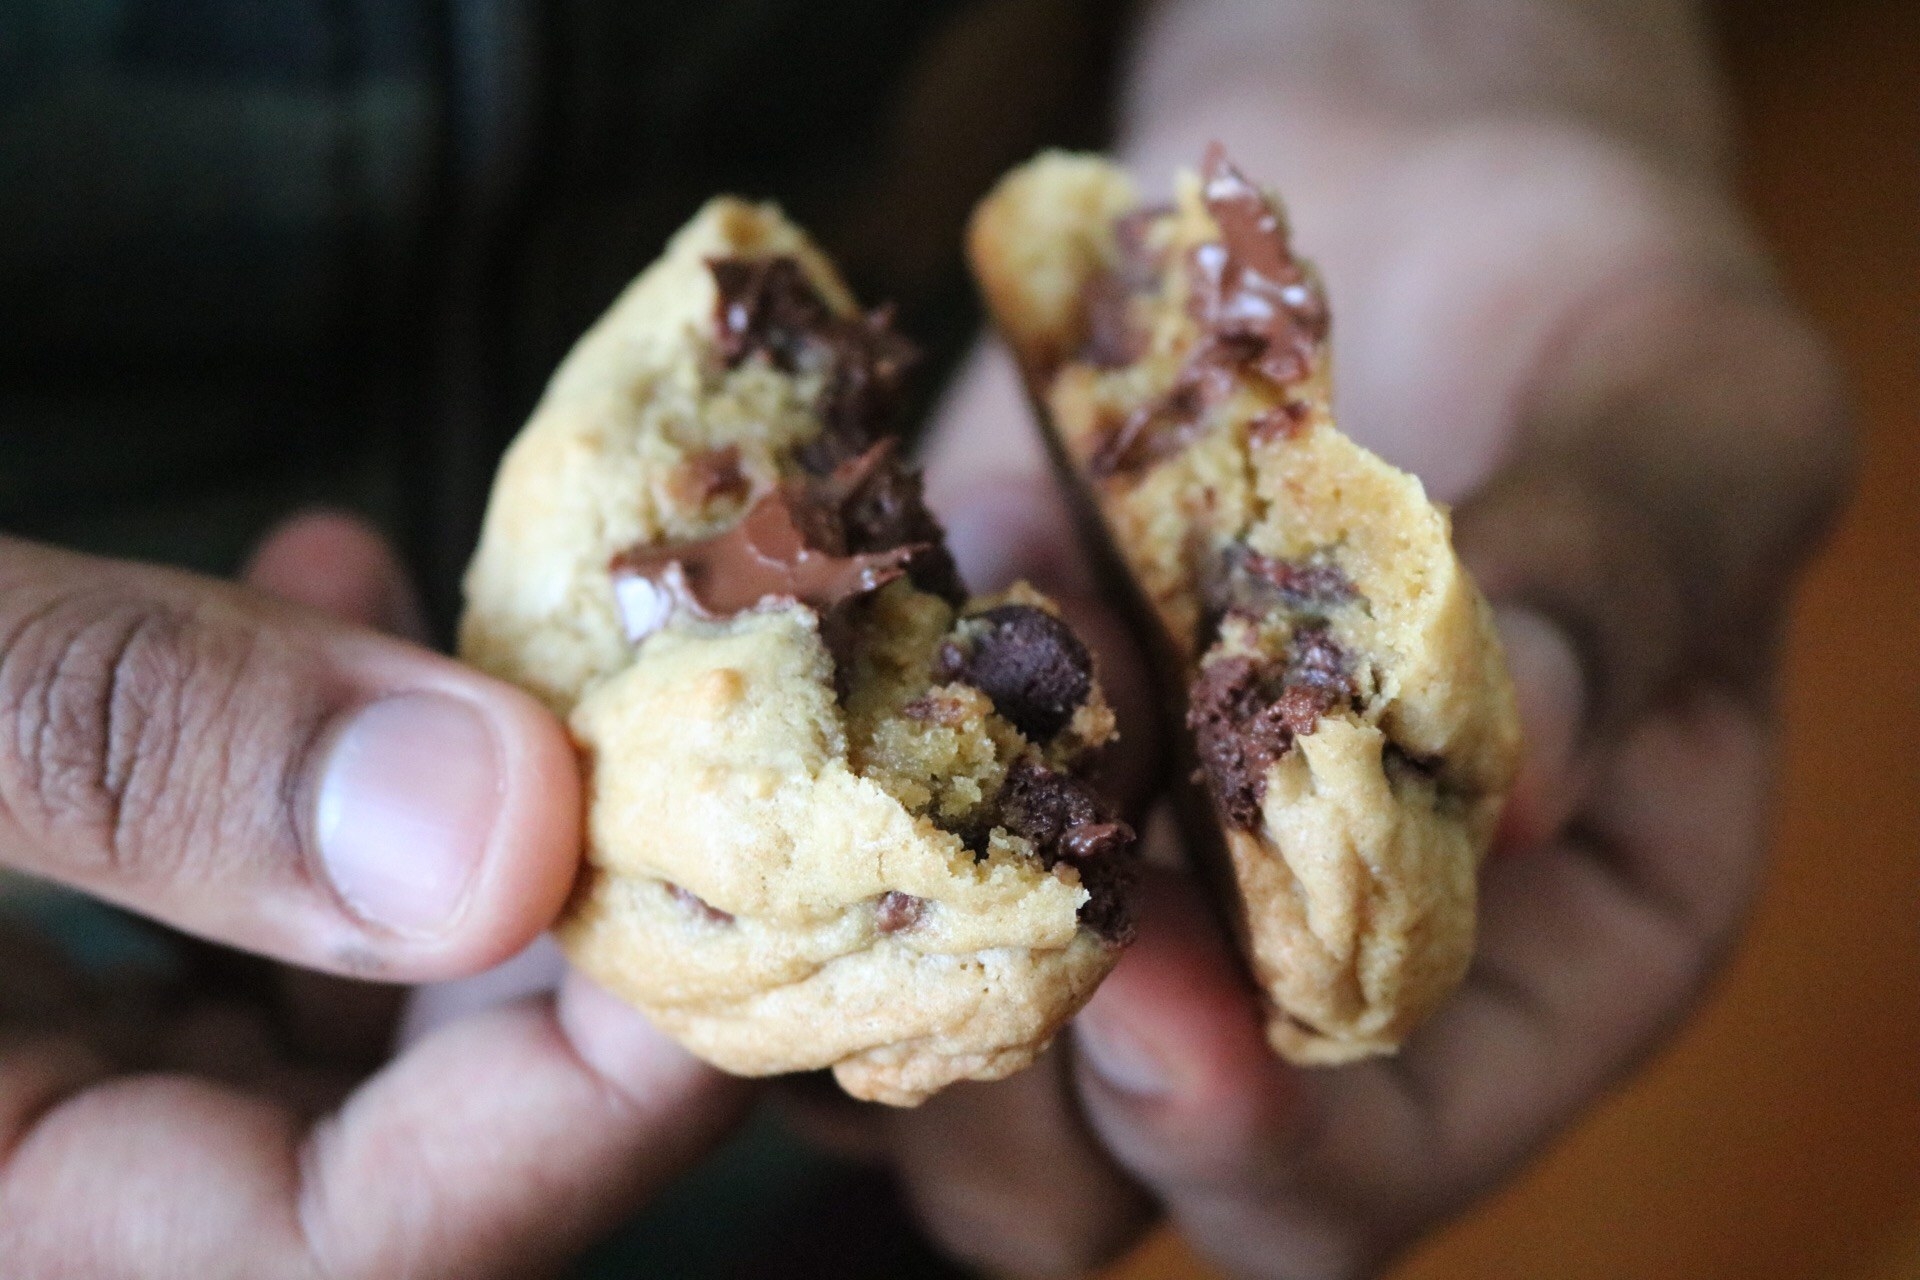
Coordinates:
1259	315
791	546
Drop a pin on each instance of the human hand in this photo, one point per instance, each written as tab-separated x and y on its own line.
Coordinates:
1645	439
274	775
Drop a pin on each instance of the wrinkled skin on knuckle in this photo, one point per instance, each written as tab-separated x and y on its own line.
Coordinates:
142	741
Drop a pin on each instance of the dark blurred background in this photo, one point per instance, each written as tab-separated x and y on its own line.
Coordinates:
255	253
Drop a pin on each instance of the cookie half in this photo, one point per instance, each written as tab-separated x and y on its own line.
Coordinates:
1350	725
839	812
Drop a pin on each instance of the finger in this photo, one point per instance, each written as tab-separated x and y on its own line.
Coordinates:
269	778
498	1147
1007	1178
335	563
1174	1072
538	969
1551	695
988	477
1590	949
1651	515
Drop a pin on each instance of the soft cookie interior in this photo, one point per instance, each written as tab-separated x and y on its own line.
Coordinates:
840	814
1350	718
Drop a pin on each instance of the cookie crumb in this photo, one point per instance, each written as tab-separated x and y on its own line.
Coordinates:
719	689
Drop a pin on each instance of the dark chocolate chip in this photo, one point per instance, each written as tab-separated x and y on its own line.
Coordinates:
1065	821
1245	715
1031	664
1095	840
896	911
1043	804
890	510
768	307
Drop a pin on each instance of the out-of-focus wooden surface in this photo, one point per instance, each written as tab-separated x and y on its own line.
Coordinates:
1779	1137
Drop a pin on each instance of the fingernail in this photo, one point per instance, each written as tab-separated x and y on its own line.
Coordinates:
1119	1059
408	794
1550	689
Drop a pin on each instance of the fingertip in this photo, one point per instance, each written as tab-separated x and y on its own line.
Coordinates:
447	814
533	853
1551	695
1172	1063
645	1064
337	563
1008	522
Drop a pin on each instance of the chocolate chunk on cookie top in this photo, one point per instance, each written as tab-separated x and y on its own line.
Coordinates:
769	308
1304	595
806	846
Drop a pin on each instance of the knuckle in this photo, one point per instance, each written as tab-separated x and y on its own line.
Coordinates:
109	708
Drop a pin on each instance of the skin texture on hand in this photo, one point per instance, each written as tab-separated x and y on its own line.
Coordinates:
174	745
1546	305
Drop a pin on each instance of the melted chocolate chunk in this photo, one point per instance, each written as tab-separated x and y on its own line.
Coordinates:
1029	662
1281	423
897	911
889	510
768	307
1244	716
1259	315
1151	433
1250	584
767	556
1064	820
699	906
819	540
1113	337
870	364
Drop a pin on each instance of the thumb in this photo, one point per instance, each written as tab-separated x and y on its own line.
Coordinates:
271	778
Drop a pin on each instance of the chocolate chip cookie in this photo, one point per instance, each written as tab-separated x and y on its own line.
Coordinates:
839	811
1348	719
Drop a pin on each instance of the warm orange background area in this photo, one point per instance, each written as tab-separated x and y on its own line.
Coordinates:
1779	1138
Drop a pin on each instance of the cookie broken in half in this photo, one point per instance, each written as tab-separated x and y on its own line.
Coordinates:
1349	723
839	811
